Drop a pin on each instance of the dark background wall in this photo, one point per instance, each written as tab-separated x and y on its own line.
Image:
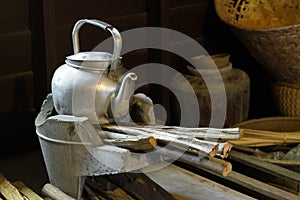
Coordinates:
35	37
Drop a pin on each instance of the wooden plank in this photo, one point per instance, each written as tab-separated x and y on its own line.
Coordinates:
102	188
266	167
31	195
184	184
260	187
125	186
256	186
8	190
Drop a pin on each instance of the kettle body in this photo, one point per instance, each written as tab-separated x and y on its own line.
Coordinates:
93	84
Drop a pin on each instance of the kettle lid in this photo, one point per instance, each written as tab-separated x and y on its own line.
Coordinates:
91	56
96	60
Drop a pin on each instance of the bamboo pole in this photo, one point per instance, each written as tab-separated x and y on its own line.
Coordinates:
136	143
215	165
260	138
26	191
8	191
54	193
212	133
201	146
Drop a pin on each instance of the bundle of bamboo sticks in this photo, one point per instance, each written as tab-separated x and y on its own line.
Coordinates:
194	146
259	138
200	141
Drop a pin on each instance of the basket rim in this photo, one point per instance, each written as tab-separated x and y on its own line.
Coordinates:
289	85
263	30
266	119
252	29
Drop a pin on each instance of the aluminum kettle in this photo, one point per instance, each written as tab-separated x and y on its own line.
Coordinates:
93	84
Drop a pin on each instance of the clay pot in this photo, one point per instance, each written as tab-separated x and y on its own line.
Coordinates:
236	85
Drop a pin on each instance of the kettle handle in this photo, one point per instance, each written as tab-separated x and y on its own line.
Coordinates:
105	26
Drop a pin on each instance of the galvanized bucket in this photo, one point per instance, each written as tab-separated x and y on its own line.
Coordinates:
72	149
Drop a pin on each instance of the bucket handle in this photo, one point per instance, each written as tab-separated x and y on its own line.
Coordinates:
105	26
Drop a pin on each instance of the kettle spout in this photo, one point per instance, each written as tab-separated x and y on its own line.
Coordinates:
120	104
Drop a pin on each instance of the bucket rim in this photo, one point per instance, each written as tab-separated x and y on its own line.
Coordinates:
61	141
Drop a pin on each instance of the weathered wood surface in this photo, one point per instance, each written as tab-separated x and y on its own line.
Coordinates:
129	186
277	175
266	167
258	188
185	185
216	165
26	191
134	143
102	188
8	191
211	133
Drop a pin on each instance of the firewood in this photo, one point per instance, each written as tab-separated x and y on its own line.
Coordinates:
193	146
103	188
224	149
8	191
202	146
55	193
212	133
209	163
128	186
183	132
31	195
135	143
141	187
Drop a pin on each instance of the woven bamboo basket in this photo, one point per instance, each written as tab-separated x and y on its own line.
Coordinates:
278	124
270	30
287	98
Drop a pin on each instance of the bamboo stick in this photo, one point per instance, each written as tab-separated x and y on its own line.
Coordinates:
224	149
211	151
266	138
54	193
256	152
215	165
136	143
206	147
26	191
212	133
8	191
203	147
